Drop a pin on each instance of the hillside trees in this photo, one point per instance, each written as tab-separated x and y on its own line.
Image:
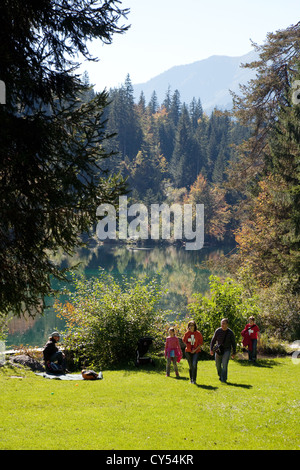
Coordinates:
177	142
51	172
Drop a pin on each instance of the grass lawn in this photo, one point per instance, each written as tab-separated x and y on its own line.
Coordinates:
142	409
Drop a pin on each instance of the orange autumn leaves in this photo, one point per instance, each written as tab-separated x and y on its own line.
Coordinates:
262	239
216	210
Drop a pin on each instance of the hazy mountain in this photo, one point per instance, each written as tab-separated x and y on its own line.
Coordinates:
209	79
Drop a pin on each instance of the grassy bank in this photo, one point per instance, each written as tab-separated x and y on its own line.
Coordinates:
142	409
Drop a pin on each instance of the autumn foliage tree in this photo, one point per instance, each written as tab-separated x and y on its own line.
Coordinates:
267	173
216	209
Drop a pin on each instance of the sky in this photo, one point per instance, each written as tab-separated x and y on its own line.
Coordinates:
165	33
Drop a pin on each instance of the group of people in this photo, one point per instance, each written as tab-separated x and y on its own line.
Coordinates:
223	344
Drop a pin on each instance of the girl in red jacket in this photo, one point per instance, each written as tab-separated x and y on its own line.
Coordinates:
172	352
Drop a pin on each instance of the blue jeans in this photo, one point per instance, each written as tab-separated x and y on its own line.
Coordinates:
222	364
58	357
193	361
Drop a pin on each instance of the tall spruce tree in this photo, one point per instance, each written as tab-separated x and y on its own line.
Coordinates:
51	178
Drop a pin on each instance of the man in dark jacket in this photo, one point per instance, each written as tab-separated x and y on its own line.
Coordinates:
225	338
54	359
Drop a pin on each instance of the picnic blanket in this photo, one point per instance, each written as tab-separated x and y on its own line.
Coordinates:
65	376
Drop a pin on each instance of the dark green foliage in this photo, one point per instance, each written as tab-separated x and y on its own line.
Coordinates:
51	165
227	299
106	318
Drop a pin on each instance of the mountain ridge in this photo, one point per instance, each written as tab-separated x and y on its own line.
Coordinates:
208	79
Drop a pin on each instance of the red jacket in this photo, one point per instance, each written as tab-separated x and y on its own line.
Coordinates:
193	340
249	333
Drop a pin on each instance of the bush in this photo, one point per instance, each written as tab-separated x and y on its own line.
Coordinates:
270	346
105	319
227	300
280	312
3	326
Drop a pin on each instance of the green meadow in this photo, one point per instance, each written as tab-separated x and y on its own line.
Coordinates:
142	409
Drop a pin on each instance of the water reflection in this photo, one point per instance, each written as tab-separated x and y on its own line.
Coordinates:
182	272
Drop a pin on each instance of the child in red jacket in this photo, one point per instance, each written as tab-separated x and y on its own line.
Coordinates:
172	352
250	335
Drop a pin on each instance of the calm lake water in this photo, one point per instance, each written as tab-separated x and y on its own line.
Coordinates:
182	272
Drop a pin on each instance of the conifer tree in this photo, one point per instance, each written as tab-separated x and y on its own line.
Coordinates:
196	112
167	101
51	177
153	103
175	108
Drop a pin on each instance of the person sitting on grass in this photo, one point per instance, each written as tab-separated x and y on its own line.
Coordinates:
55	362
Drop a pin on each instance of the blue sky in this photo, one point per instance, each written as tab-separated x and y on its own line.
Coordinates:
165	33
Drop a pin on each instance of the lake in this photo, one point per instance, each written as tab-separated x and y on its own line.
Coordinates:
182	272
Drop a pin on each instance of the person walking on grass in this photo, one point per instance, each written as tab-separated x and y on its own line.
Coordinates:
221	344
173	352
250	336
193	341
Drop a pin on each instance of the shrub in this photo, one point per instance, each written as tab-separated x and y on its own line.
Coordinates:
227	300
3	326
105	318
269	345
280	312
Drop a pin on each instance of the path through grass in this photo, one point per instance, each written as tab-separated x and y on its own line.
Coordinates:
142	409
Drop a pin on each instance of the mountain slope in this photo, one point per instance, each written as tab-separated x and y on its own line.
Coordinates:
209	79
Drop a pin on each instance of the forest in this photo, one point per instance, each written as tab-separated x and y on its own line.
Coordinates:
174	152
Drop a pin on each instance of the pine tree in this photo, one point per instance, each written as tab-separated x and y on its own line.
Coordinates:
51	178
196	112
167	101
141	105
258	105
123	121
175	108
153	103
182	151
